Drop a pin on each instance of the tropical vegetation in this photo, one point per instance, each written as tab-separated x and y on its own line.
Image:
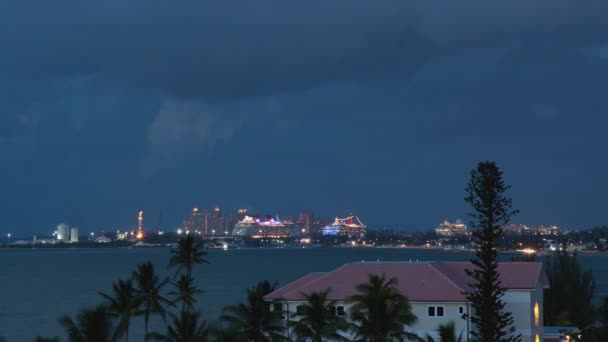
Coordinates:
254	319
491	211
317	319
380	313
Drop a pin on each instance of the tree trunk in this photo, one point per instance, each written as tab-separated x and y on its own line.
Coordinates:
146	315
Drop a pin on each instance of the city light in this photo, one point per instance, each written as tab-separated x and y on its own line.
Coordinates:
179	232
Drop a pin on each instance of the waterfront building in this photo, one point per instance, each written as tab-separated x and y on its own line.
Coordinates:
74	234
447	229
435	291
350	227
63	232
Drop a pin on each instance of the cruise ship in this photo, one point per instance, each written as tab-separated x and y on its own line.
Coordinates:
350	226
268	228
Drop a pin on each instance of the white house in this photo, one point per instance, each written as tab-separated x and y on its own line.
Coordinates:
435	290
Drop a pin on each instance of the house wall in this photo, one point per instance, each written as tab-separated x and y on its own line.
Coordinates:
428	325
522	303
425	324
519	302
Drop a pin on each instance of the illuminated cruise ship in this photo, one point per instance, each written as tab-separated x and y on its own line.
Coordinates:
268	228
350	226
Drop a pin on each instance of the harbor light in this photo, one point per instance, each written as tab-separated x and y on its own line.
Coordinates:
179	232
528	251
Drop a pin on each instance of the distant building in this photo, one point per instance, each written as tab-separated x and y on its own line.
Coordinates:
63	232
140	225
447	229
196	222
240	214
214	222
522	229
74	234
305	222
103	239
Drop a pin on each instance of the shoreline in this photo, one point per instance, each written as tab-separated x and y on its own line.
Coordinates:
452	250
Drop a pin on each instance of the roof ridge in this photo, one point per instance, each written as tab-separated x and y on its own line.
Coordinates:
445	276
321	276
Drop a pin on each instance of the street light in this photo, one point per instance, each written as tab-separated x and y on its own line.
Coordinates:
92	235
9	238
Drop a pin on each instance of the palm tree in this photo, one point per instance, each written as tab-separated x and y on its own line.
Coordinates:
91	325
253	319
380	313
185	292
187	254
447	333
148	289
124	305
183	328
318	320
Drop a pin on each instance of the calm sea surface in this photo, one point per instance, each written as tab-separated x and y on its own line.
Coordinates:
37	286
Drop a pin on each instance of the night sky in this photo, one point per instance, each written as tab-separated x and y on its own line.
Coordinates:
377	107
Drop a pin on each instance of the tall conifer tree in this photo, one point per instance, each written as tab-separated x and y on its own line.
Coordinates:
491	211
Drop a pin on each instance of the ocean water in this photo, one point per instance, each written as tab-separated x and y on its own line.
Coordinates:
38	286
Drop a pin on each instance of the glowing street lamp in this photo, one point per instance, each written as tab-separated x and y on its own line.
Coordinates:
179	232
92	235
9	238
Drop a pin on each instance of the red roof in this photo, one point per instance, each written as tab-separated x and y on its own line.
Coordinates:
420	282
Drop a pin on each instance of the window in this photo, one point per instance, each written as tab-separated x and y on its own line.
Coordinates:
341	311
277	307
332	310
436	311
300	310
537	338
536	315
461	310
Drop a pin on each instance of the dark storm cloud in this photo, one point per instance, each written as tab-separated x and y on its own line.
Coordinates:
207	49
379	107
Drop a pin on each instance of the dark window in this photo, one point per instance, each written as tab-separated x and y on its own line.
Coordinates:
332	310
277	307
461	309
341	311
300	309
431	311
440	311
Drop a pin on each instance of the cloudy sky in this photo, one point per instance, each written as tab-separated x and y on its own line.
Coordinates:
377	107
